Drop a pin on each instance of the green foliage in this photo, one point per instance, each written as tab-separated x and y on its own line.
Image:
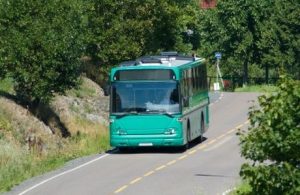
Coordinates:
41	43
124	30
252	33
281	178
6	85
273	142
243	188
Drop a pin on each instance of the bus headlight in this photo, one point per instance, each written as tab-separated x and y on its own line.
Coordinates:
170	131
179	119
121	132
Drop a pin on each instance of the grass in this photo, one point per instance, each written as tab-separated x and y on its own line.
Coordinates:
257	88
83	90
12	162
18	163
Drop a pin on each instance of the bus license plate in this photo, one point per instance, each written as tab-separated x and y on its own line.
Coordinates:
145	144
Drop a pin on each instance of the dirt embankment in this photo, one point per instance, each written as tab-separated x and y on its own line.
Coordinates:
83	110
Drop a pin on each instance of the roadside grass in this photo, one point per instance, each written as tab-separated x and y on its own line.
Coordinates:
81	125
257	88
83	90
18	162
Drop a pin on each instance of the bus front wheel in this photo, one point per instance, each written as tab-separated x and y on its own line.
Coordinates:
188	138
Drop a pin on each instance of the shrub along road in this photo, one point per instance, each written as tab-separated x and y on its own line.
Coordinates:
210	167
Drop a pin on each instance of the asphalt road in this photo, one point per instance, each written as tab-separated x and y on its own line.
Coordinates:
209	167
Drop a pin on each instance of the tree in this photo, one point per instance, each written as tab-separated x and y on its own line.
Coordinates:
280	38
231	33
123	30
41	44
127	29
273	142
256	33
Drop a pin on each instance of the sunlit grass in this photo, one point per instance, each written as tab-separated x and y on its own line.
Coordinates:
83	90
18	163
257	88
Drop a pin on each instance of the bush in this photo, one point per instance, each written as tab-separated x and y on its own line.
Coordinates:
273	142
41	45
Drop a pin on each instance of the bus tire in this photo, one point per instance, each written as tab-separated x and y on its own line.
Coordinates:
200	138
123	149
188	137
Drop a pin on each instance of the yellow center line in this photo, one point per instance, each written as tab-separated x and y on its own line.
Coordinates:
171	162
230	131
182	157
121	189
212	141
221	136
192	152
201	147
136	180
149	173
161	167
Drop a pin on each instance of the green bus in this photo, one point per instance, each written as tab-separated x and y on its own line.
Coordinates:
158	101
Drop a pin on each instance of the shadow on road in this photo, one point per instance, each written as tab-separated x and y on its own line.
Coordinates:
164	150
211	175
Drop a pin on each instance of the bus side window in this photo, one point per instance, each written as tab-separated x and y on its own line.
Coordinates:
185	100
185	90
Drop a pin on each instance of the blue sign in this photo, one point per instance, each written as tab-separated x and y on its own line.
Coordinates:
218	55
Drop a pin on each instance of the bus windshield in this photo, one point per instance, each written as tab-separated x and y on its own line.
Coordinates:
145	97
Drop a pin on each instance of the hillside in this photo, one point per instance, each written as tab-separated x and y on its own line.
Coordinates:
73	125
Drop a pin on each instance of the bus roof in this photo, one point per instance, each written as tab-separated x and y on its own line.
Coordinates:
167	60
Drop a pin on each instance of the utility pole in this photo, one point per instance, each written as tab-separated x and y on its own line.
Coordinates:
218	56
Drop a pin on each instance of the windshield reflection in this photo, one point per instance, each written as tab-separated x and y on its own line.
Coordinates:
145	97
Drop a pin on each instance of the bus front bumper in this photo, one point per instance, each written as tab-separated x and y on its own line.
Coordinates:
124	141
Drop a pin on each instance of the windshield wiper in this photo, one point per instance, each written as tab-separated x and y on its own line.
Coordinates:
121	115
167	114
163	112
